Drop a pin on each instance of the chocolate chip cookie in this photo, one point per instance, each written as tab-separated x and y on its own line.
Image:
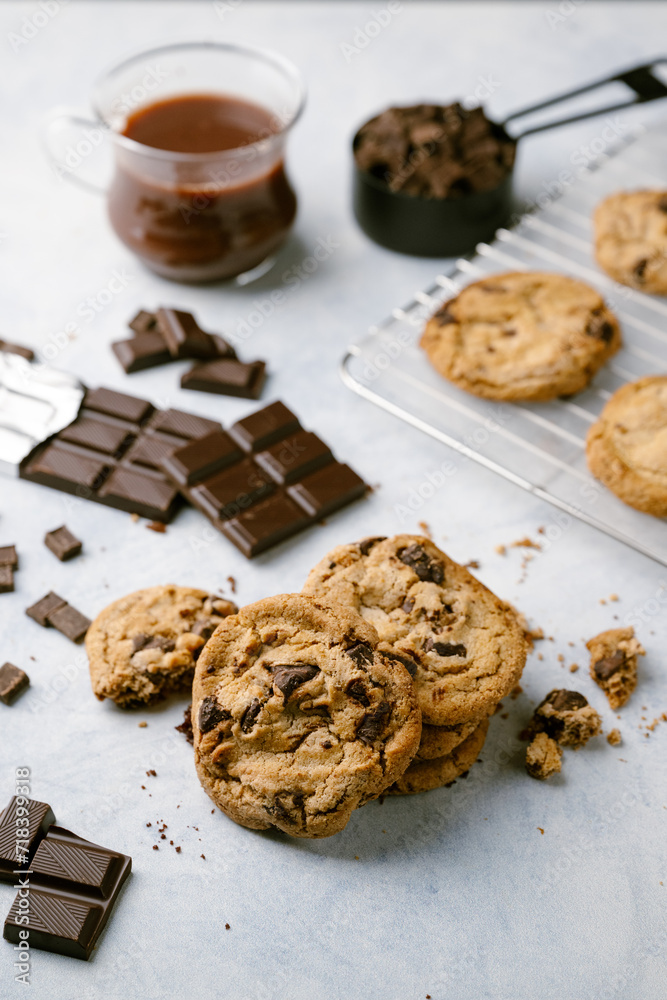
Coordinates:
423	776
626	447
464	648
298	718
614	663
145	645
566	717
439	741
631	239
522	336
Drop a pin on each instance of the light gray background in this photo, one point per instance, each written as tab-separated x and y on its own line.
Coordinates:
456	893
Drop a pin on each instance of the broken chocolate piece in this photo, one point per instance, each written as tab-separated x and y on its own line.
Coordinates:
143	322
288	677
6	580
70	622
227	377
13	682
146	350
62	543
8	556
183	336
73	888
40	611
23	823
373	723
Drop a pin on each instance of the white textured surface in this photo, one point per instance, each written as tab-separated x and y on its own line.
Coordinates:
457	893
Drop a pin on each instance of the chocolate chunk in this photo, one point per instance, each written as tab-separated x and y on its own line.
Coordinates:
41	611
23	352
366	544
357	690
205	628
160	642
263	428
565	701
8	556
450	649
146	350
288	677
6	580
32	819
210	714
640	268
183	336
70	622
227	377
294	457
373	723
143	322
361	654
73	888
13	682
264	525
410	665
600	328
62	543
610	665
249	717
417	559
140	641
202	457
186	725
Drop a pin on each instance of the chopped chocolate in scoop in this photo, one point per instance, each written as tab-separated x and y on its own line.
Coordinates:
287	678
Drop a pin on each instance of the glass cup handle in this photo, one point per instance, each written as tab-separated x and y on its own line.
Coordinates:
74	147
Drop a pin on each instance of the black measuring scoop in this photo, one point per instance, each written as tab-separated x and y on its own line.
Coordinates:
447	227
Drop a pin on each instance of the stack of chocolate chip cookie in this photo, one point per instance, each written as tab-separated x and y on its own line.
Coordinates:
378	679
463	647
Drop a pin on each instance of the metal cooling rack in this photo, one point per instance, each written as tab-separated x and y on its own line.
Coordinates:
538	446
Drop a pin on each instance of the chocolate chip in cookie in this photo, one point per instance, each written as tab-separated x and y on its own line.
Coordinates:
614	663
566	717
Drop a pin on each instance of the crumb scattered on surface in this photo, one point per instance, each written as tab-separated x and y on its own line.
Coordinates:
157	526
472	564
186	725
155	847
543	757
541	829
614	737
227	927
516	691
525	543
423	525
614	597
561	658
574	667
501	550
203	856
142	725
232	584
152	773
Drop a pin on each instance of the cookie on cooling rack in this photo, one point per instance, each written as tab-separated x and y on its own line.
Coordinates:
522	336
626	447
631	239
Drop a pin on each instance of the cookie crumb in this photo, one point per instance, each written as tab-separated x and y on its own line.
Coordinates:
177	849
142	725
227	926
561	658
501	550
516	691
155	847
472	564
566	717
543	757
613	664
186	725
232	584
151	773
614	597
574	667
149	824
203	856
157	526
541	830
426	529
526	543
614	737
135	517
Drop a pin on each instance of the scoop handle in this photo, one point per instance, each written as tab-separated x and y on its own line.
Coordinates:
640	79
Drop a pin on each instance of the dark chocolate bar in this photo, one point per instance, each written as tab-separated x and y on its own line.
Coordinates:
23	823
13	682
72	888
264	481
62	543
227	377
110	454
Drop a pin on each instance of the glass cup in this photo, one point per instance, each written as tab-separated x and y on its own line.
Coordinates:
191	217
